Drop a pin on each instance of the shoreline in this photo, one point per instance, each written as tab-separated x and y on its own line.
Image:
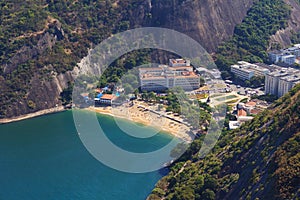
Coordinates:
32	115
146	118
133	114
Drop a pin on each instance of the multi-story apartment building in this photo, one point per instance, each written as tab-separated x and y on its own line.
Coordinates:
281	81
163	77
272	80
287	82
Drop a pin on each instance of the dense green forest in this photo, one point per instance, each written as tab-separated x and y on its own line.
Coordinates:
251	38
258	161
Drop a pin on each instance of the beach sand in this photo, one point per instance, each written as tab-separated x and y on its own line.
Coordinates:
31	115
132	113
139	115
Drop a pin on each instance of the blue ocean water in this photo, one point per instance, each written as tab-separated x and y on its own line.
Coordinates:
43	158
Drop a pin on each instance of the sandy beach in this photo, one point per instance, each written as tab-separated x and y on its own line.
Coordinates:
138	114
31	115
133	113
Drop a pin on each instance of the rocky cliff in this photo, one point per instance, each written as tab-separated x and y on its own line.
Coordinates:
207	21
42	85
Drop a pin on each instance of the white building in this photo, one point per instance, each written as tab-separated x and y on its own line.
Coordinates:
286	83
106	99
272	80
259	71
241	72
287	56
246	71
163	77
234	125
280	82
288	59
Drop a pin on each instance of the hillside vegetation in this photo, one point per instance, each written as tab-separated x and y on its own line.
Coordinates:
258	161
41	39
250	41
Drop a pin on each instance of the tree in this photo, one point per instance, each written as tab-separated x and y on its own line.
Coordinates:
102	82
202	81
128	88
66	94
199	182
208	195
151	96
145	96
136	93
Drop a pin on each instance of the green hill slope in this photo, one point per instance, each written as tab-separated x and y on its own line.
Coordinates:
258	161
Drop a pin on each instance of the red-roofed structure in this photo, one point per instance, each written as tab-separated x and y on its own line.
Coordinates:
250	104
242	112
106	99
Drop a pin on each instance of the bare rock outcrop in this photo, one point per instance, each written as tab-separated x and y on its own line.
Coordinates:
207	21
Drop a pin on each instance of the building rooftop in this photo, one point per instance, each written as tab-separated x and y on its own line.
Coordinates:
183	75
108	96
178	61
279	73
291	78
250	104
241	112
255	111
253	67
166	71
234	125
241	68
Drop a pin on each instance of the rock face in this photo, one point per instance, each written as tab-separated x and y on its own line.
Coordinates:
43	94
207	21
282	37
44	90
